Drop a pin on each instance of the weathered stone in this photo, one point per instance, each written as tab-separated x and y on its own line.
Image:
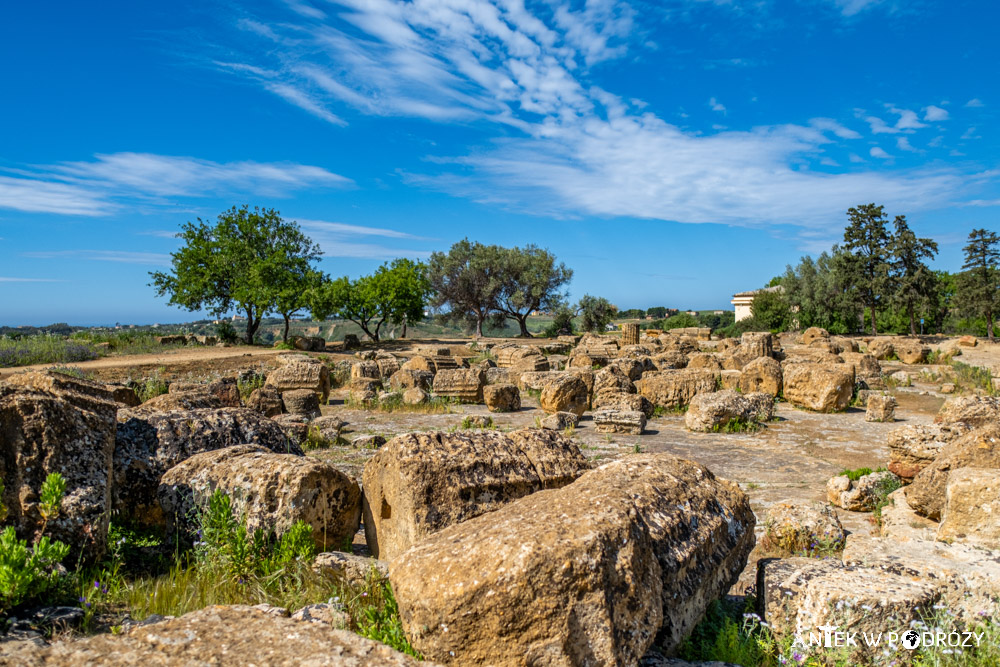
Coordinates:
587	375
704	361
404	379
760	406
588	361
415	396
325	614
973	411
730	380
301	402
387	364
947	388
266	401
365	370
968	577
601	346
757	344
351	569
309	343
913	447
977	449
364	391
632	367
814	333
502	398
199	399
805	529
297	372
367	441
592	573
967	341
845	344
798	596
419	483
54	423
462	384
860	495
612	378
124	396
762	374
671	360
630	333
498	376
226	636
616	400
972	508
675	389
564	394
560	421
535	363
882	348
536	380
911	351
900	522
146	446
351	342
631	422
295	427
713	411
269	491
880	408
819	387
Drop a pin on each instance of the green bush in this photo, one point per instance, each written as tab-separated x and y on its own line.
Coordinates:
26	573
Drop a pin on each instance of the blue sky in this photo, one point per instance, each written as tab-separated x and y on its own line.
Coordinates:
671	153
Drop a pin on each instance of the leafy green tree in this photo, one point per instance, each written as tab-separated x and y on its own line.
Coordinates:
235	263
530	280
294	288
395	293
632	314
562	322
597	312
819	296
770	310
978	286
657	312
468	280
680	321
868	253
914	282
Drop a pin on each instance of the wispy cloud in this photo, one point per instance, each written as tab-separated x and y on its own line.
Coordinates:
934	113
852	7
564	146
8	279
903	144
974	103
338	239
101	185
121	256
879	153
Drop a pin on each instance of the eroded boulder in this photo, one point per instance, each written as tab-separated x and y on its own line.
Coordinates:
146	446
462	384
972	508
566	393
591	573
819	387
977	449
419	483
674	389
502	398
300	372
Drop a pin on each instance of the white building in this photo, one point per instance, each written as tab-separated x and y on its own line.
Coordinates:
741	301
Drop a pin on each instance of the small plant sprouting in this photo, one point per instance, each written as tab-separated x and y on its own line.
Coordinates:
637	448
51	496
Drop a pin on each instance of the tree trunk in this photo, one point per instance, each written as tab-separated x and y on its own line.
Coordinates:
989	324
913	323
404	328
287	321
251	326
522	321
871	310
479	325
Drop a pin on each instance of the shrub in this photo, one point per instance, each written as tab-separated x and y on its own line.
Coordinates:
26	573
150	387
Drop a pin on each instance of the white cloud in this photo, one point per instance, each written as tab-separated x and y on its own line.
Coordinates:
120	256
355	230
336	240
563	146
879	153
99	186
852	7
974	103
830	125
903	144
934	114
8	279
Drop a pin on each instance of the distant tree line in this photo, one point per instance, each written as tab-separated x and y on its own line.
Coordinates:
257	263
878	280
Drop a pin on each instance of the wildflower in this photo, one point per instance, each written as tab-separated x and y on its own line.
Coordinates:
939	606
798	657
97	585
